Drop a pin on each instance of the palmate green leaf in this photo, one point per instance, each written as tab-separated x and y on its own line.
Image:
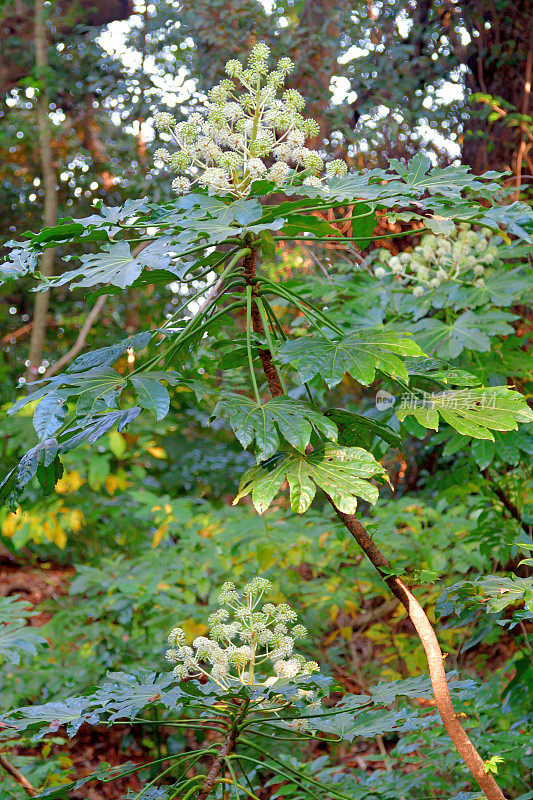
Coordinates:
242	211
307	223
20	261
472	412
90	429
342	472
42	459
49	414
98	383
510	447
108	219
497	592
49	717
263	424
123	695
16	636
420	175
360	354
104	772
116	265
501	288
49	475
371	723
517	218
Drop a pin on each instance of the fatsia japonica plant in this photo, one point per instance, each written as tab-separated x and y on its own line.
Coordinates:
246	181
233	690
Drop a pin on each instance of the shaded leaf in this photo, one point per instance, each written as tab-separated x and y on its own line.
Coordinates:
356	430
91	429
48	476
439	370
151	394
16	636
106	356
468	332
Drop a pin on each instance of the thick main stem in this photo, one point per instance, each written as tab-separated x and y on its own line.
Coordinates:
269	368
416	613
227	748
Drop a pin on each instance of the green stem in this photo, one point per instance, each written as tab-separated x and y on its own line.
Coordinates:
274	322
194	779
282	291
288	776
157	777
233	777
236	783
311	239
249	342
200	327
291	769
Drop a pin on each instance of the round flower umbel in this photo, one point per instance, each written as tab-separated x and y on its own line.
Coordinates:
249	128
245	637
462	256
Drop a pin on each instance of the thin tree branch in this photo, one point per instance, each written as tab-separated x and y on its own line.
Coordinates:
17	776
79	344
92	316
227	748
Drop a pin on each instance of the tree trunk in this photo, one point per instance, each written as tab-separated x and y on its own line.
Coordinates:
497	59
40	309
315	55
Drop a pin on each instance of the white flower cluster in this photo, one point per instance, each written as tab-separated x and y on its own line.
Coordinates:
245	132
462	256
242	640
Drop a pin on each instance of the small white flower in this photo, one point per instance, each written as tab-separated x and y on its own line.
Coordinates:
164	121
285	65
181	185
337	167
379	272
256	167
282	152
162	155
313	181
296	138
279	172
395	265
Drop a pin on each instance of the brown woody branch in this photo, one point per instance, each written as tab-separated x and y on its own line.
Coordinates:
17	776
416	613
227	748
